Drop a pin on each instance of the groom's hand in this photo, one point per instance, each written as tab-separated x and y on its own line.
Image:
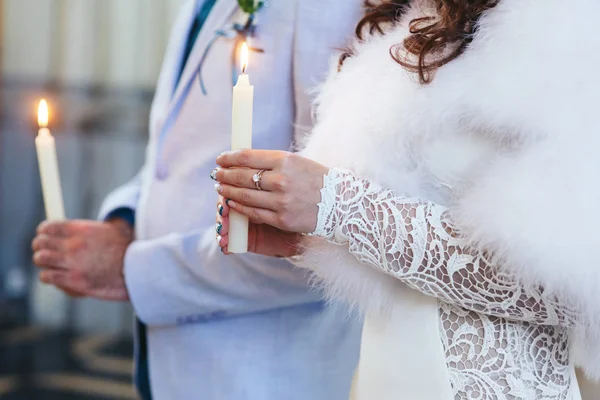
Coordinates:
84	257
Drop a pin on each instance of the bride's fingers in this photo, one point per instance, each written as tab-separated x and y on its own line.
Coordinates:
222	207
257	159
222	238
244	178
256	215
248	197
223	241
222	226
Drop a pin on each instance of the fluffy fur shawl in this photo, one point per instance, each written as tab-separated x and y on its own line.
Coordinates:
507	136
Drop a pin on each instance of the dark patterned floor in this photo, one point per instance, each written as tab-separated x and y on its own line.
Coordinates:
37	365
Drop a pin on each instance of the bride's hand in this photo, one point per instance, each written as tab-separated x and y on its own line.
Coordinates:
262	239
291	187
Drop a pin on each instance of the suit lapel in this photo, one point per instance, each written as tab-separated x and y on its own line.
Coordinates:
172	61
222	11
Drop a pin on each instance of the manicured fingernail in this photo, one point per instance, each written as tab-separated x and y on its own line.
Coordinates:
218	227
219	238
213	174
218	187
223	250
220	209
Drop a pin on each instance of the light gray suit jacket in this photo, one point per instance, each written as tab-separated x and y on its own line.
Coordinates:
239	327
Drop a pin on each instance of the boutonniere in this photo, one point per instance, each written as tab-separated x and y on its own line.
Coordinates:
237	32
250	6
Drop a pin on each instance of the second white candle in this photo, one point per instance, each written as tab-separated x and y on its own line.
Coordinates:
241	138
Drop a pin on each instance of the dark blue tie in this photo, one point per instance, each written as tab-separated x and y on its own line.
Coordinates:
194	32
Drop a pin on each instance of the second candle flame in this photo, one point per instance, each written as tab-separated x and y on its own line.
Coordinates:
43	114
244	57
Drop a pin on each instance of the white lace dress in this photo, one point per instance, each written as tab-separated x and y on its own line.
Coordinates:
501	340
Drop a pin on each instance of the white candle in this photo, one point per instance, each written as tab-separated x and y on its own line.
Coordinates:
48	162
241	138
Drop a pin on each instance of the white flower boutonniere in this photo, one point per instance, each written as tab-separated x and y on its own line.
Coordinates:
250	6
239	33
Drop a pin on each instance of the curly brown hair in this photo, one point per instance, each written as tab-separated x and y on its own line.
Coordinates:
435	41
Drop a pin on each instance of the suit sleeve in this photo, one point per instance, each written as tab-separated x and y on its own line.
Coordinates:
180	279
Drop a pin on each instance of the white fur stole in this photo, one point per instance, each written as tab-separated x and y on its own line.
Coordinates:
507	136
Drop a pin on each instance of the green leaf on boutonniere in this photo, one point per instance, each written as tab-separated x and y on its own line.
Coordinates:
250	6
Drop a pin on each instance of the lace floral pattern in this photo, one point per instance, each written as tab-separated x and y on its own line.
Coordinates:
502	340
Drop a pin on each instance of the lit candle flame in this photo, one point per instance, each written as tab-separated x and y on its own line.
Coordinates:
244	57
43	114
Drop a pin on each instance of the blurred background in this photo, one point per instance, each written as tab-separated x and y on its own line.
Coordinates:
96	62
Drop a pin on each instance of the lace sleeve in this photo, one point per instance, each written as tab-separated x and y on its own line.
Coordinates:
417	242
